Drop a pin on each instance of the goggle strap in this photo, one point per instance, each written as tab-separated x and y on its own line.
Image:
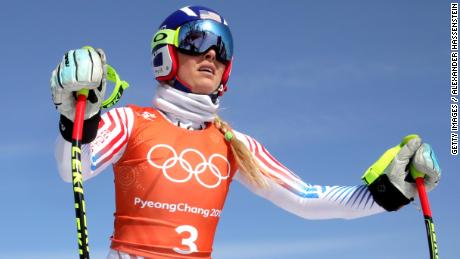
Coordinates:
165	36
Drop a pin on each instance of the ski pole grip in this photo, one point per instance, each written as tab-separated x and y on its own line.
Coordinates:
416	173
83	92
407	138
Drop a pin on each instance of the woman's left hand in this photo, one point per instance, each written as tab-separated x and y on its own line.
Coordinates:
390	180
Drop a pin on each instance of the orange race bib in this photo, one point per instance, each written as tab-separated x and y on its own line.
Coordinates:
170	187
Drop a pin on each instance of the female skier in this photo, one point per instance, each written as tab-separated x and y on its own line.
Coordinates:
173	163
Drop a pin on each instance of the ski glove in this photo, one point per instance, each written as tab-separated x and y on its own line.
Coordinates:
79	69
389	179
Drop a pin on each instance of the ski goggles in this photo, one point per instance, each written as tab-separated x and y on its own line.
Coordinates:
197	37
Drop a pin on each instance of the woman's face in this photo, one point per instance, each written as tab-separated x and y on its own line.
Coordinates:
203	73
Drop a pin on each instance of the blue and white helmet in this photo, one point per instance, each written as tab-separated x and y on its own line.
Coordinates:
165	43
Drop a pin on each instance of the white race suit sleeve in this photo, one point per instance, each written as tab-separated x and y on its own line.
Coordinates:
288	191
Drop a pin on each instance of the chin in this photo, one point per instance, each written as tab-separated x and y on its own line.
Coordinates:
205	87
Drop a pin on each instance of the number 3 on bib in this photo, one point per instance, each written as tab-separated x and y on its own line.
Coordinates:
187	241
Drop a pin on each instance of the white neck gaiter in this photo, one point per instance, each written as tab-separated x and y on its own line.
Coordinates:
186	110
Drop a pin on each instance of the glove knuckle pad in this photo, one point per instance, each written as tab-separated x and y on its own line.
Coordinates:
97	71
81	68
84	66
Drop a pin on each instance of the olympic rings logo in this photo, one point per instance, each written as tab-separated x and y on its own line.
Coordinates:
196	171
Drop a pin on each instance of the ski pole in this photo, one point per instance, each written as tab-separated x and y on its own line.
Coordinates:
77	132
431	234
429	225
419	181
77	178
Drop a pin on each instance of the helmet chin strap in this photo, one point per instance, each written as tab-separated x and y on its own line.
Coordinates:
182	86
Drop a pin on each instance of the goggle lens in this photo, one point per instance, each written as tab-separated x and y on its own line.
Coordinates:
199	36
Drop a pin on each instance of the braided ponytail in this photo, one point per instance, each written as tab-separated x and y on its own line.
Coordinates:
245	160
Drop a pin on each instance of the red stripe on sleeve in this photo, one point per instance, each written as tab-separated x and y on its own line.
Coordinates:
278	163
267	163
115	139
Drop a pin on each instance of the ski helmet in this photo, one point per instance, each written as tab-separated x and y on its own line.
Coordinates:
191	30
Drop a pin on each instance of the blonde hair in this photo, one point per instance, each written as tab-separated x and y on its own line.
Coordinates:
243	157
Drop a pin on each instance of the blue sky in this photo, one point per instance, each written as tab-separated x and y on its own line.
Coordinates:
326	87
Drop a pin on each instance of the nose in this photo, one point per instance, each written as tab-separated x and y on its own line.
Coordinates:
210	55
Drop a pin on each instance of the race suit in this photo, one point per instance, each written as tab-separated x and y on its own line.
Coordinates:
171	183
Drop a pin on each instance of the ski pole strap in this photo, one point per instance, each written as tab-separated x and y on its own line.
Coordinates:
117	92
120	86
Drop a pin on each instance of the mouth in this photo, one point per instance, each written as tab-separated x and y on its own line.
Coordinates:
207	69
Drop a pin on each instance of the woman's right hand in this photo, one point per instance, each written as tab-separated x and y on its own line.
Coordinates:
83	68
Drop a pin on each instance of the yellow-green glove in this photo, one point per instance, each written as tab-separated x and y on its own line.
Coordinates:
387	177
